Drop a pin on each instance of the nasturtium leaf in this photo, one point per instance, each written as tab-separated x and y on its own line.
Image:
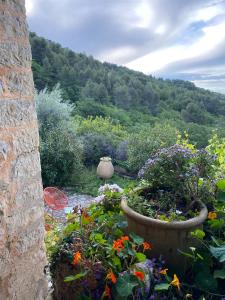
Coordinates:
140	256
219	274
221	185
161	287
206	281
75	277
136	238
125	285
216	224
218	252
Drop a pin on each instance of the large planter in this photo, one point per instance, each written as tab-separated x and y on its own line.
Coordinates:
166	237
105	169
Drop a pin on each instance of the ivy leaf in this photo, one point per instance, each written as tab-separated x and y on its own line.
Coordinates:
140	256
136	238
125	284
218	252
75	277
219	274
161	287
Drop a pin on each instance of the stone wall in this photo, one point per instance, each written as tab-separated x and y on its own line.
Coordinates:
22	255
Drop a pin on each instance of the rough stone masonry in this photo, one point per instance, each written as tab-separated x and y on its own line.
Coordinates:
22	255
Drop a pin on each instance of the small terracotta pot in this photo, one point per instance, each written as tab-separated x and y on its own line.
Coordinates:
165	237
105	168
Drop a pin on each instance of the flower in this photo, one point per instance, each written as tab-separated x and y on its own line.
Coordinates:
212	215
125	238
107	291
99	198
140	275
175	281
163	271
76	258
118	245
147	246
111	276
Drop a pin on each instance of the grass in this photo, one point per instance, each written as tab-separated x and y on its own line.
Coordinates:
91	182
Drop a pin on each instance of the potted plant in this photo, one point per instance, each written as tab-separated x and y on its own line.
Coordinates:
177	184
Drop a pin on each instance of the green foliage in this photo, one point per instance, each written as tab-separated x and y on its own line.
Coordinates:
60	149
103	89
217	147
147	141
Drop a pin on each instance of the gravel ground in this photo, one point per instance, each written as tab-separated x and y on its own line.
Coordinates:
74	200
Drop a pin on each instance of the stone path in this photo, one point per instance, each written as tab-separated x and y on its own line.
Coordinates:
74	200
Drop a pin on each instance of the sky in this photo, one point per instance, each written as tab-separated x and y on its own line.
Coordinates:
182	39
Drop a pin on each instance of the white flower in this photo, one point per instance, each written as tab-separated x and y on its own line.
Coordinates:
110	187
99	198
178	212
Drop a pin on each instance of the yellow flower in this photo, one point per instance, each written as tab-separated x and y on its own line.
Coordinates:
175	281
212	215
163	271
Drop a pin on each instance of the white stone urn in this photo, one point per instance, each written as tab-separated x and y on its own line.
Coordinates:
105	168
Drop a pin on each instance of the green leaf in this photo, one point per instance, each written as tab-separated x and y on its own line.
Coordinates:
125	285
221	196
161	287
206	281
75	277
116	261
218	252
198	234
140	256
216	224
221	185
219	274
136	238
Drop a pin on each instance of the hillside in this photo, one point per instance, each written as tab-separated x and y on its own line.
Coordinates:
128	97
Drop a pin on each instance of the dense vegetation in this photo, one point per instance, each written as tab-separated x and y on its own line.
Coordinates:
111	110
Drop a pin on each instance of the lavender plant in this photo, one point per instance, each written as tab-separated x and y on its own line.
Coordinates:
177	179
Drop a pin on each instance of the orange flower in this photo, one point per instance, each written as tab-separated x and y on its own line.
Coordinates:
212	215
125	238
48	227
147	246
118	245
140	275
163	271
107	291
111	276
175	281
76	258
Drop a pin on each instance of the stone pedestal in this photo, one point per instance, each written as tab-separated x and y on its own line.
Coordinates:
22	255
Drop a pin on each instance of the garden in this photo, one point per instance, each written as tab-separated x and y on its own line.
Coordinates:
161	237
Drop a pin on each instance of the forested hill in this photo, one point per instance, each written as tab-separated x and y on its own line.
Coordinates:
94	86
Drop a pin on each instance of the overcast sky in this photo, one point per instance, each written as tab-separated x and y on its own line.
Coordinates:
166	38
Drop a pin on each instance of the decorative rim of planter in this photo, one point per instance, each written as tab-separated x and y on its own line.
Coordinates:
106	158
178	225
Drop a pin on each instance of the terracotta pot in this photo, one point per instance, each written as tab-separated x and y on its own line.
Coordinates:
105	168
166	237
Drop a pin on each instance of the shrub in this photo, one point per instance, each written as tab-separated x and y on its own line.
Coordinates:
96	146
60	150
100	137
144	143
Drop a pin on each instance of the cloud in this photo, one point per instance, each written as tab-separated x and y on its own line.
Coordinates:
175	39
